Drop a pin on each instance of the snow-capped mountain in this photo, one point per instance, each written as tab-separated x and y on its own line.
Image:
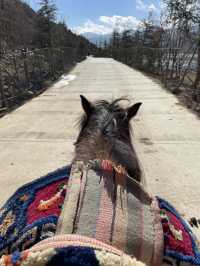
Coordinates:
98	39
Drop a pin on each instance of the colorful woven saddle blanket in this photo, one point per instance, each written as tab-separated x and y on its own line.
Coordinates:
104	214
31	214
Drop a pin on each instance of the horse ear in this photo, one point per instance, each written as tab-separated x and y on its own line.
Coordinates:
132	111
87	106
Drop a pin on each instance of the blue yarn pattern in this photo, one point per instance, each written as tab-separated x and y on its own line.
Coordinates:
19	209
74	256
16	257
195	260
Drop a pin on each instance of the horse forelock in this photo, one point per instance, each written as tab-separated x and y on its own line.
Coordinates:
103	113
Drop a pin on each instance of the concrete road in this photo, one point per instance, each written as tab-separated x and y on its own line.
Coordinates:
38	137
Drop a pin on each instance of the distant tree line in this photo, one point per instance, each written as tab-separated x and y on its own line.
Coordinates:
34	48
21	27
169	49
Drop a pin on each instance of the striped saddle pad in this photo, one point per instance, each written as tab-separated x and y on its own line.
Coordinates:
103	203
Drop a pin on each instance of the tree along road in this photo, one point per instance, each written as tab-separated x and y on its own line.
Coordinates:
38	137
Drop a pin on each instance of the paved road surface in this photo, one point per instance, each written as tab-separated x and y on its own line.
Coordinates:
38	137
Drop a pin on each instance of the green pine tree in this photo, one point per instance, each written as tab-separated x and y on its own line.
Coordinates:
45	23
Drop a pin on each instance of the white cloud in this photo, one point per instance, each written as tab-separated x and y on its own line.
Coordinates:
107	24
121	23
152	8
90	26
140	5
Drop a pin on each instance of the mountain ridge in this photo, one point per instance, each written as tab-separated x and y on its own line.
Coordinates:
97	39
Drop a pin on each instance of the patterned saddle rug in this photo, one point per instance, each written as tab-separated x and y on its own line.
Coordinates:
93	215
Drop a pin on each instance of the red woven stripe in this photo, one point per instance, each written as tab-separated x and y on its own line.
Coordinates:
104	220
107	165
121	217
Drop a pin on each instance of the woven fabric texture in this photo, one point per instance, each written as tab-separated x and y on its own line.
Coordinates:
31	214
93	215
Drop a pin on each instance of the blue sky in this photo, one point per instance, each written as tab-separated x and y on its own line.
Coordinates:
102	16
